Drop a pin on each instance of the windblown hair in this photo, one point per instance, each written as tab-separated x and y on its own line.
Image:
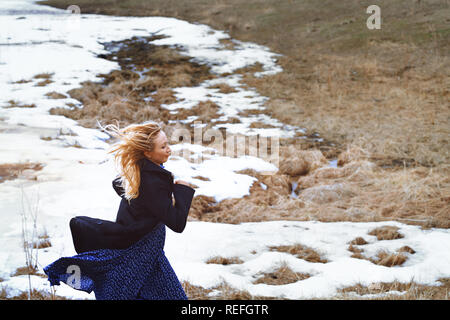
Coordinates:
135	139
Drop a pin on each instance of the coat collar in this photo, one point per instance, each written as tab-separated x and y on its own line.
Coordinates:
148	165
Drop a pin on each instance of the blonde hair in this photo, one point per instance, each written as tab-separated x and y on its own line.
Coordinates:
135	139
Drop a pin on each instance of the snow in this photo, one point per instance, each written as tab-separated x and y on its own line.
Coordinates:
77	180
189	251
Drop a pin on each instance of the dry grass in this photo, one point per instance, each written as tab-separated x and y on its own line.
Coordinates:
15	104
280	276
368	113
10	171
204	111
357	191
407	249
22	81
55	95
43	83
225	261
386	233
195	292
35	295
358	241
200	206
44	75
346	82
136	92
259	125
223	88
383	258
301	252
223	291
357	253
42	241
28	270
201	178
410	290
389	259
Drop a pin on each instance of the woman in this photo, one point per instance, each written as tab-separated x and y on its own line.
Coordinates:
130	262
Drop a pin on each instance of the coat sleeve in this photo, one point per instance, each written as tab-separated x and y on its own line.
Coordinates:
156	199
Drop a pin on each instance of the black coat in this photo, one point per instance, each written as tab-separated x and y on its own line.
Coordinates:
137	218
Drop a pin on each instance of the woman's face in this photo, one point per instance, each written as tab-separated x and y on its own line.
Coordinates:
161	151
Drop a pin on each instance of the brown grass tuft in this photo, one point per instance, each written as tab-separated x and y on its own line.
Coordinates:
27	270
389	259
15	104
301	252
223	88
386	233
10	171
357	253
328	193
201	205
201	178
383	258
358	241
44	75
195	292
42	242
55	95
282	275
224	261
407	249
295	162
22	81
43	83
204	110
352	153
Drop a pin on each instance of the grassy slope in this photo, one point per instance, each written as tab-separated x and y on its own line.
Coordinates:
287	26
383	90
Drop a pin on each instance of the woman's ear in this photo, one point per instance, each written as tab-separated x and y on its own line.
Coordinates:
148	155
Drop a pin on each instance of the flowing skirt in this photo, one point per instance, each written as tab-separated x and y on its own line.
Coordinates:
141	271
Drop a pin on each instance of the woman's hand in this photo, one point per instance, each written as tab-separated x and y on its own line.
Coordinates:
182	182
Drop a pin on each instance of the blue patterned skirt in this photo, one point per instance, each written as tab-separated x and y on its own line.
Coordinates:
140	272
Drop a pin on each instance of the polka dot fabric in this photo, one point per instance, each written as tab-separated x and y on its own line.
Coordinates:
140	272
